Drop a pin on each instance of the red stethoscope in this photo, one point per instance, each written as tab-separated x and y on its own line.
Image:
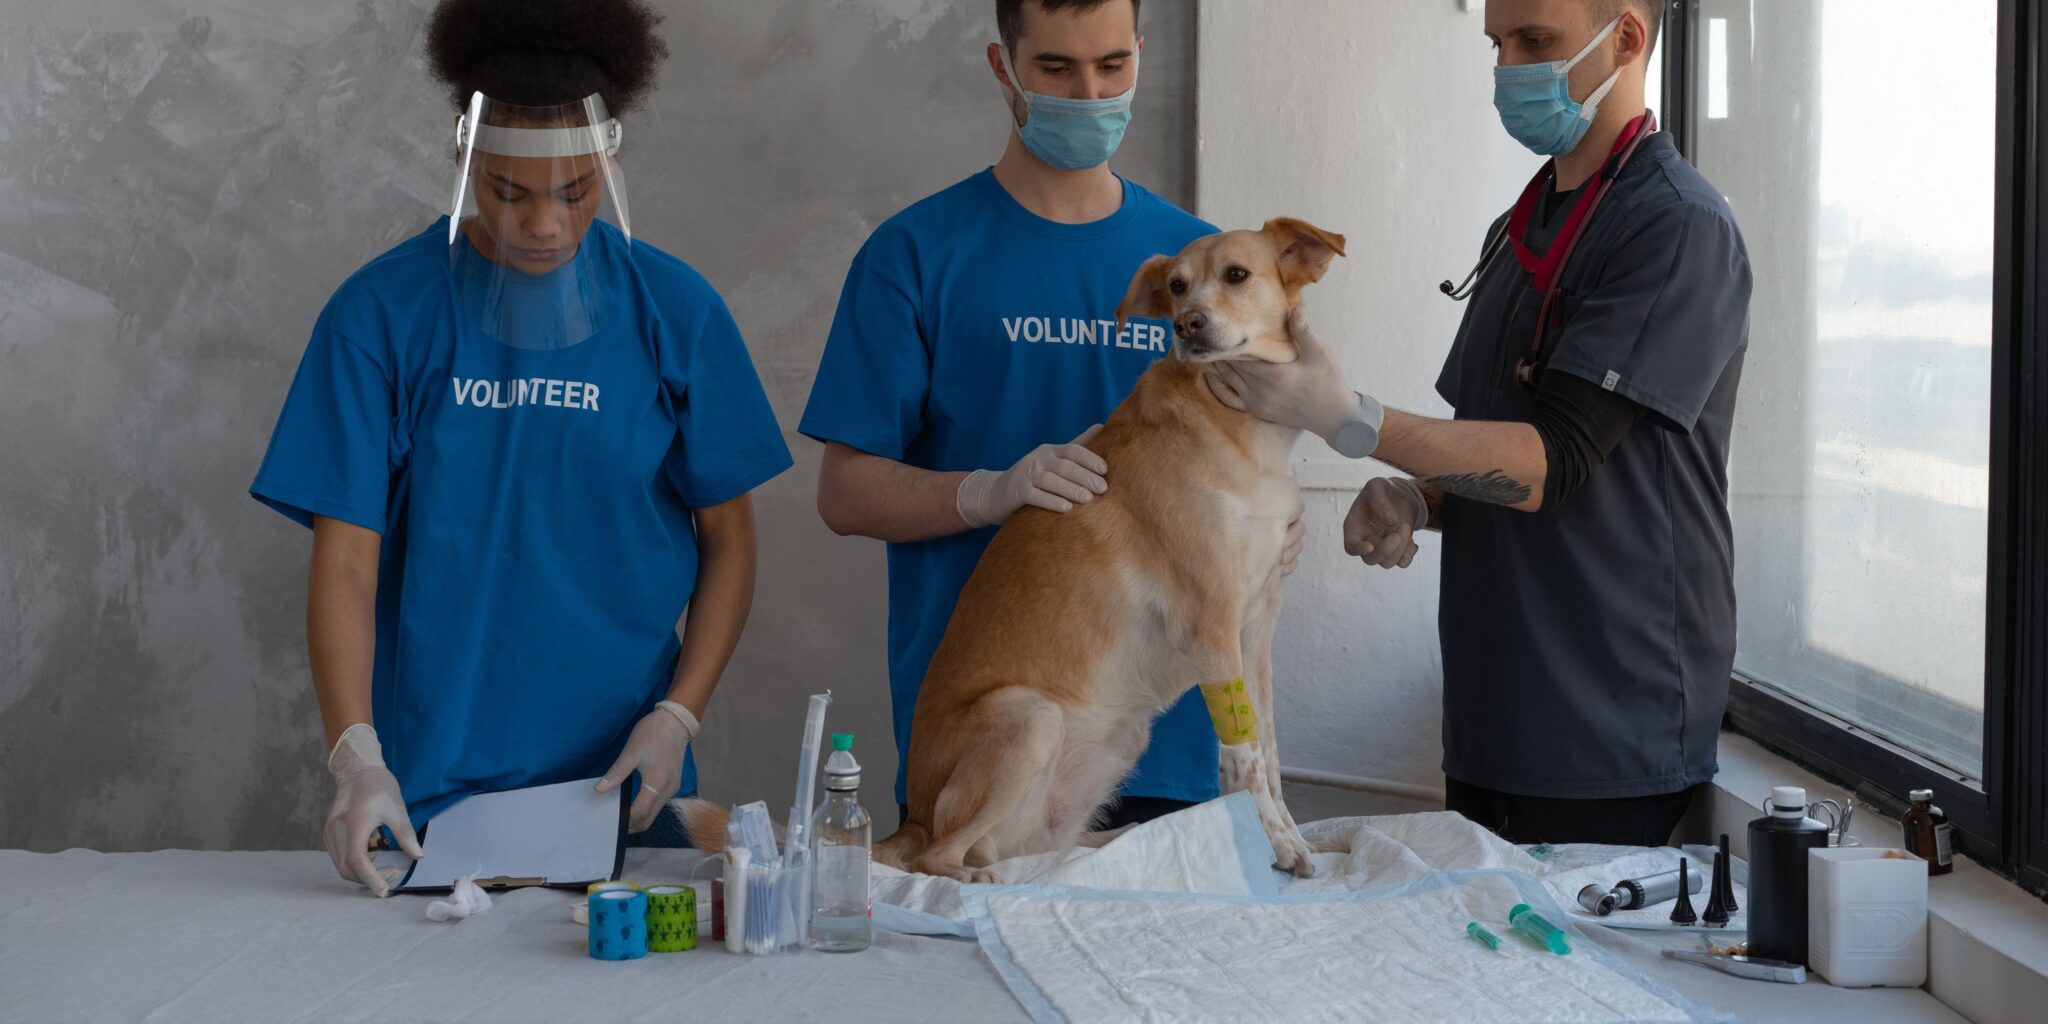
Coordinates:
1548	267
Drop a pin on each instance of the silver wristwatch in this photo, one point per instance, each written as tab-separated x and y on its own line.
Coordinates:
1359	436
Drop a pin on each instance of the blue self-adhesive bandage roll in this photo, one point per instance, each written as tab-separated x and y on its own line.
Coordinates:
618	924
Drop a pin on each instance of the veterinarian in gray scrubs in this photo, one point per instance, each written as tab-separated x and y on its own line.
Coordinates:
1588	605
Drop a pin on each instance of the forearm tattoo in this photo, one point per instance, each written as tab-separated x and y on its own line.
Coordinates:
1493	487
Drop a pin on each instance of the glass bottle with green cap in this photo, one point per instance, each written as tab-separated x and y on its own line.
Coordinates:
842	917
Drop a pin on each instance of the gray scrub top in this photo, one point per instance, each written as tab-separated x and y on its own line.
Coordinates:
1587	646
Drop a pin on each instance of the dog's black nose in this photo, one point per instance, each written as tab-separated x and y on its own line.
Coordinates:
1190	323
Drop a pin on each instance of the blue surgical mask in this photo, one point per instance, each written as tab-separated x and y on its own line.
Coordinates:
1536	105
1073	135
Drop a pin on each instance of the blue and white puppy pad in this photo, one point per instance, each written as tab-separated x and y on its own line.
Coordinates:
1214	847
1397	952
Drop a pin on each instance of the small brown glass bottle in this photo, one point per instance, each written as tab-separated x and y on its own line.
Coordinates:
1927	833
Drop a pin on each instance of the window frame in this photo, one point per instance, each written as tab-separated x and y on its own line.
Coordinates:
2002	819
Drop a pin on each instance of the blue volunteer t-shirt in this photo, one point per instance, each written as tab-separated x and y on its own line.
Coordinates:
534	504
971	331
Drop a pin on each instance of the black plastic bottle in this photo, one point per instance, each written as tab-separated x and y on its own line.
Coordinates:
1778	843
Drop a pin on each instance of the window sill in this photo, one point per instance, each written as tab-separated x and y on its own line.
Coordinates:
1987	940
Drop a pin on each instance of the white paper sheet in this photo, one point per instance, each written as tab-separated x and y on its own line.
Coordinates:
566	833
1394	953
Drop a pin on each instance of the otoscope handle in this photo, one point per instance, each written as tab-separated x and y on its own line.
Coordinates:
1637	893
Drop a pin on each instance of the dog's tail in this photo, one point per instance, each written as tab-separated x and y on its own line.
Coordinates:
704	822
903	846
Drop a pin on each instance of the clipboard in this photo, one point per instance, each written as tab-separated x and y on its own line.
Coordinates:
562	836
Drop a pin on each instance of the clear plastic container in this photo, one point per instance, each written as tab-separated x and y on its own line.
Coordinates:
842	915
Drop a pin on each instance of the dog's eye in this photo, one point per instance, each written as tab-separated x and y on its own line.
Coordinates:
1236	275
1177	286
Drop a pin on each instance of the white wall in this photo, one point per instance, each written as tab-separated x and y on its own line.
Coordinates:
1373	118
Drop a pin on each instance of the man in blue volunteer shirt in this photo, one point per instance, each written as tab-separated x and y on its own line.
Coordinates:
1588	608
976	335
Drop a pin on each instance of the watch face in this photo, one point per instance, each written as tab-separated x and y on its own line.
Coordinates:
1356	440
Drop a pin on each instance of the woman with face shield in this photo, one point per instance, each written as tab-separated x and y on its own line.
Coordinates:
524	440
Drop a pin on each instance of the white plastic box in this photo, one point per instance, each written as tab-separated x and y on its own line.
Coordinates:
1867	917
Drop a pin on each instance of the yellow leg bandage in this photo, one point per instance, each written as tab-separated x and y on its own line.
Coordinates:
1230	711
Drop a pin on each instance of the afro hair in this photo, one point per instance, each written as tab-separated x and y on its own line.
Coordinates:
541	53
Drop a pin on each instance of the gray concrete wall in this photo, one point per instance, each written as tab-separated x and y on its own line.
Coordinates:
185	181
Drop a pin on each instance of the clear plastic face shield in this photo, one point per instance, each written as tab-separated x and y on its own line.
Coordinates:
538	229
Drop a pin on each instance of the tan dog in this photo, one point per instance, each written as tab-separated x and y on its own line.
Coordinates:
1027	722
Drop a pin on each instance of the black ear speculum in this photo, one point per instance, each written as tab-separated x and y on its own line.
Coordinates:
1683	912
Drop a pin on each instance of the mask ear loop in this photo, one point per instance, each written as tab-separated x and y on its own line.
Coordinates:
1591	106
1016	83
1598	38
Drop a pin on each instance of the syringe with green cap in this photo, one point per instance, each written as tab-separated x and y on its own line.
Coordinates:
1479	934
1539	928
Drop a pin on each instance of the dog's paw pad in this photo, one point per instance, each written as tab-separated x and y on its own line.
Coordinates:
1292	857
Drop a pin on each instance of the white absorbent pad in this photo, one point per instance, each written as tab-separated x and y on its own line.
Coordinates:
1385	849
1394	953
1215	847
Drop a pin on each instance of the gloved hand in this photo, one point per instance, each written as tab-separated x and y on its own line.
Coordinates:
1380	528
1290	546
1308	393
1055	477
655	750
365	796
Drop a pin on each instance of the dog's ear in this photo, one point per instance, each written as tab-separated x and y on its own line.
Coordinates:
1147	296
1305	250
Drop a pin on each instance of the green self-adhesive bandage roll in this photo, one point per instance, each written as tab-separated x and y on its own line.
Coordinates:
671	918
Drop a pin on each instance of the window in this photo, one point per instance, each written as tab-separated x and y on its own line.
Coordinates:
1889	478
1860	479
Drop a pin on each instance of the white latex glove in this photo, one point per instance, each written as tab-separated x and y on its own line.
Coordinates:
365	796
1308	393
655	750
1380	528
1290	547
1055	477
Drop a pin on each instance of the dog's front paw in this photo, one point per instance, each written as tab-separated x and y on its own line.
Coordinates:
1290	854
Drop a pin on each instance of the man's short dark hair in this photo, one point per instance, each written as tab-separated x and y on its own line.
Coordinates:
1010	16
1652	12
